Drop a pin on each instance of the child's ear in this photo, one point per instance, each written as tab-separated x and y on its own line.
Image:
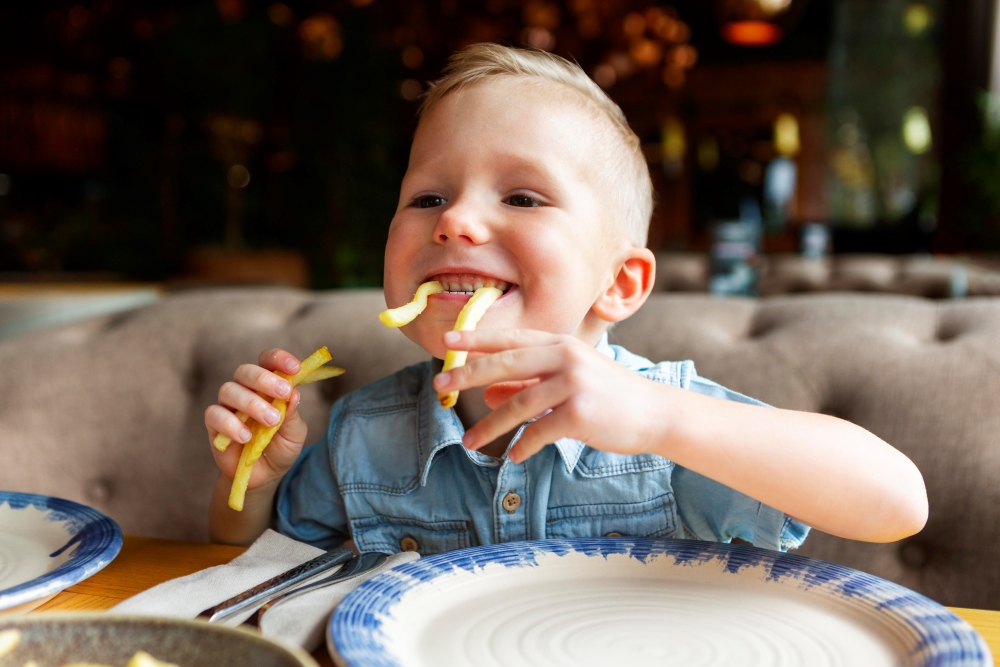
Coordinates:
631	286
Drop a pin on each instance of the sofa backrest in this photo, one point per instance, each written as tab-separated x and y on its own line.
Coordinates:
791	273
109	411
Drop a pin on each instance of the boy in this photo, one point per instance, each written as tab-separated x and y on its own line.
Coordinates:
525	176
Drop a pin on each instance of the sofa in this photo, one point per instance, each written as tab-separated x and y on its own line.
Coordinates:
933	277
108	411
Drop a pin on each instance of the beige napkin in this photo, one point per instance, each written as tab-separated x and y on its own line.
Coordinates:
299	622
185	597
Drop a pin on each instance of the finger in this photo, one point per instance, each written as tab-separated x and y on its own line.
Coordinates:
235	395
537	435
263	380
277	359
495	340
518	365
293	404
499	393
520	408
220	420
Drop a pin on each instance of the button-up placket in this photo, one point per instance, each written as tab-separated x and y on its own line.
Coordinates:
510	502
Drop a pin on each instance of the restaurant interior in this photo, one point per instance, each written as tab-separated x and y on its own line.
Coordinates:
184	183
192	143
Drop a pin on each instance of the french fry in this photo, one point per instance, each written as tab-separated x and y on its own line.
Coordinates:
9	639
322	373
472	312
312	370
143	659
309	365
397	317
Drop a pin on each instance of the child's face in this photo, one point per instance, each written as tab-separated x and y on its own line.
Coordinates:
504	184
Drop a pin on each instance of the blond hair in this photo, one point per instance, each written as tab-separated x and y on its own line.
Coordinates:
632	196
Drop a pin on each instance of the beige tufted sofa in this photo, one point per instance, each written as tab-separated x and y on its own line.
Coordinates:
109	411
789	273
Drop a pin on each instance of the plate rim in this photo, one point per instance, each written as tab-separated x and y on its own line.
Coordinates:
943	638
99	540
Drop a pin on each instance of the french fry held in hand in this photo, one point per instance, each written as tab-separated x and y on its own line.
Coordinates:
311	370
397	317
221	441
472	312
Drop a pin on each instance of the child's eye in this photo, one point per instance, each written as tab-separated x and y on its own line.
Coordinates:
522	200
429	201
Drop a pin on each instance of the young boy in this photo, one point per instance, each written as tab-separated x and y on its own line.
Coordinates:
525	176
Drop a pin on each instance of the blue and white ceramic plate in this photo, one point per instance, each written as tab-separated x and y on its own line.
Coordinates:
638	602
47	545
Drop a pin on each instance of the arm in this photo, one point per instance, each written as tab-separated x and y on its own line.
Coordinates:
826	472
225	524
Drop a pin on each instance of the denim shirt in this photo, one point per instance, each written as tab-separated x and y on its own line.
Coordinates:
392	473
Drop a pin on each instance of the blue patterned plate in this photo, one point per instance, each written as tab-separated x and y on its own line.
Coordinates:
47	545
638	602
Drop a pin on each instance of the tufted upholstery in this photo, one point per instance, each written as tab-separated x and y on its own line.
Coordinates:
109	411
786	273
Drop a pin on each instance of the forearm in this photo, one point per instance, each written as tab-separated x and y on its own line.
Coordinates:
228	526
826	472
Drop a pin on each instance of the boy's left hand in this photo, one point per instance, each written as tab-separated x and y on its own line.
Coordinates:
592	398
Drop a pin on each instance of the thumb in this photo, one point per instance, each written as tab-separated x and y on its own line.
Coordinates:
497	394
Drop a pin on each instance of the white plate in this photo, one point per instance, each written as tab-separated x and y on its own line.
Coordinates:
638	602
47	545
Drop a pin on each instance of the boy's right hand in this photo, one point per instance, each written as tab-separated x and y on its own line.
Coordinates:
240	394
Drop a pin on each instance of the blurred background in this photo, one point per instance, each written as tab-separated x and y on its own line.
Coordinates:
204	142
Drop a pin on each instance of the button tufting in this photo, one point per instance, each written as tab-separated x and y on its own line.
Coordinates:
913	554
97	490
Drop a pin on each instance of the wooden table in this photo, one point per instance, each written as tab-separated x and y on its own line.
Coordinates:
145	562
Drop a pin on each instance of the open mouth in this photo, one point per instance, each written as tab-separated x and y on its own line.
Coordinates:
468	283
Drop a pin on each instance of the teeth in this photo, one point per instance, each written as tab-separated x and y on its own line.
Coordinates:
469	287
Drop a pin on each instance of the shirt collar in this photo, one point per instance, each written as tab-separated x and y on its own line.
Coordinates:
439	427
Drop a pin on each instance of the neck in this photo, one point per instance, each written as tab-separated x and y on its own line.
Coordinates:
471	408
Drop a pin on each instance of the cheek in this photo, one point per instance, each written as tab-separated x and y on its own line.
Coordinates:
400	248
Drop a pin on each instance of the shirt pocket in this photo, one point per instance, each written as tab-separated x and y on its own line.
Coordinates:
650	518
392	535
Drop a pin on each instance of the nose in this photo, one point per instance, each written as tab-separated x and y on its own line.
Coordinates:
461	221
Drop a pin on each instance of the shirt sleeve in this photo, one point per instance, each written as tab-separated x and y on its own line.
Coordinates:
714	512
309	506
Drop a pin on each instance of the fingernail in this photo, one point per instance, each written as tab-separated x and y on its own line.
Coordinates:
244	435
283	388
443	379
452	337
291	365
272	416
468	441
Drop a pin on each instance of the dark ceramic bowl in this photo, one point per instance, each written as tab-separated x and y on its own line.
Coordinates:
56	639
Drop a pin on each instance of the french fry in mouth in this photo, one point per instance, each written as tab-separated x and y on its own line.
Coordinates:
311	370
397	317
467	320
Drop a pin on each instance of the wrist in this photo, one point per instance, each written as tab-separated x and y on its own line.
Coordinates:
666	421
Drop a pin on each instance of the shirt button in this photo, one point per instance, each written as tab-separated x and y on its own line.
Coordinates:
613	534
409	544
511	502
